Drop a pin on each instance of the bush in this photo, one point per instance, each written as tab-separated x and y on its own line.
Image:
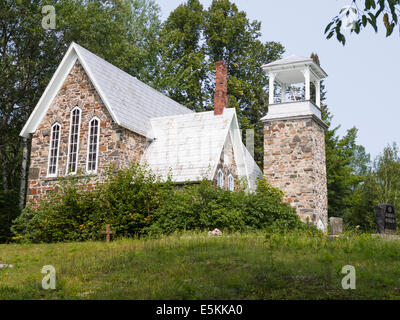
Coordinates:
136	202
200	206
68	214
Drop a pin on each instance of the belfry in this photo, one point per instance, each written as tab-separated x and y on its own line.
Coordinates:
294	140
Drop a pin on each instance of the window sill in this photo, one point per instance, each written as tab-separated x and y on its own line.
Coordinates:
71	176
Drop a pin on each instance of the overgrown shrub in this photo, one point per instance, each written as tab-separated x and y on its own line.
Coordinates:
136	202
129	198
68	214
200	206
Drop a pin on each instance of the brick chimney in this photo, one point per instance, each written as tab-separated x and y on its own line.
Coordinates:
221	88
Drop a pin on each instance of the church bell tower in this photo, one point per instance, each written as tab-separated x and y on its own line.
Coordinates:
294	140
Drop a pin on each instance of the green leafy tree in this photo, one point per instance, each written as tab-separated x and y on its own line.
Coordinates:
359	17
182	73
342	175
346	162
123	32
381	184
193	39
387	171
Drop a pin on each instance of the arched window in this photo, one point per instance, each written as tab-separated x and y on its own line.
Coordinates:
53	152
93	145
73	145
220	179
231	183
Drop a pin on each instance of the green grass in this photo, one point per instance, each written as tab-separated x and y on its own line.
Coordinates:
195	266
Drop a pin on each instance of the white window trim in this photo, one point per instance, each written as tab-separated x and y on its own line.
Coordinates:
222	179
231	183
69	139
97	149
58	150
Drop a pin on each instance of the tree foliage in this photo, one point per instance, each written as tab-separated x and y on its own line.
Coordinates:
346	162
368	15
193	39
123	32
137	202
381	184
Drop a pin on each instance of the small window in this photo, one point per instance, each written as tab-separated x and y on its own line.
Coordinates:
54	147
231	183
220	179
73	145
93	145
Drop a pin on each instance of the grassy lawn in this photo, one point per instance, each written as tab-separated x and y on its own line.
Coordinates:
195	266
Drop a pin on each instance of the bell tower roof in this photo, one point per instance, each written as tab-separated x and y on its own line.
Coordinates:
289	69
288	72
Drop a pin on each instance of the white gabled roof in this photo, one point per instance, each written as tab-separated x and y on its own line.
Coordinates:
130	102
189	146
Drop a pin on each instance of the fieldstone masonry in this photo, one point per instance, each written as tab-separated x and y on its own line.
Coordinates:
294	161
117	145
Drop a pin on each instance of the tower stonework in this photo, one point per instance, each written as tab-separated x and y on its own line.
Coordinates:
294	161
294	139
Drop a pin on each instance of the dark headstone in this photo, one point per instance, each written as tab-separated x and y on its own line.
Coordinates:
386	218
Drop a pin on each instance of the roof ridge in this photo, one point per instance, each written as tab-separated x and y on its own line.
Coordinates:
189	114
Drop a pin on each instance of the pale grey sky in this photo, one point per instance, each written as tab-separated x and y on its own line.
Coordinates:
363	87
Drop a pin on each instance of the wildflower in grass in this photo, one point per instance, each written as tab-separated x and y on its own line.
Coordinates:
17	237
4	276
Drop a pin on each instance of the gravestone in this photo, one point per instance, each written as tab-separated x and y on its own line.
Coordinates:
386	218
108	232
336	226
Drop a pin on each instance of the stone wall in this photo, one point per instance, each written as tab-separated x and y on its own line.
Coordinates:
117	145
227	164
294	161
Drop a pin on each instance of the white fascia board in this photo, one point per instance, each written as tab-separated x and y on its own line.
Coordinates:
50	92
285	66
55	85
237	143
319	69
233	130
296	66
294	110
291	109
268	66
220	147
148	134
95	84
216	162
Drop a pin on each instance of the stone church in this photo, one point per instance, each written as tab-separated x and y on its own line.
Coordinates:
93	114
